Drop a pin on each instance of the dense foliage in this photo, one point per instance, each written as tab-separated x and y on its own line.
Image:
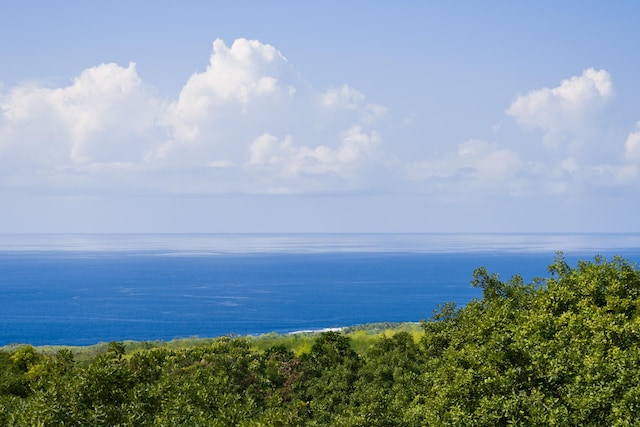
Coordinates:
563	350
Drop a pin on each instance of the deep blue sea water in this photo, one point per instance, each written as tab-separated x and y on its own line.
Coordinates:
84	289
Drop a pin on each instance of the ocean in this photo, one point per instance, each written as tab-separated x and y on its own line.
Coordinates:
83	289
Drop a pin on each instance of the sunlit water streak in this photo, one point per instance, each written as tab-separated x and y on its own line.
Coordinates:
209	244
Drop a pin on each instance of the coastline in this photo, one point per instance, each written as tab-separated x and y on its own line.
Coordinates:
298	340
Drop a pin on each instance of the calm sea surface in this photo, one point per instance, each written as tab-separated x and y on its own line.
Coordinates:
84	289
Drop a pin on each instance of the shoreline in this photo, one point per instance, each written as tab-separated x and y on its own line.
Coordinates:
365	328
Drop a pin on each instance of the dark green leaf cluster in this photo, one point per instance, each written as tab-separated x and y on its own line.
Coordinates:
564	350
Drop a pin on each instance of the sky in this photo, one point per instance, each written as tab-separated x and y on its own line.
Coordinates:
319	116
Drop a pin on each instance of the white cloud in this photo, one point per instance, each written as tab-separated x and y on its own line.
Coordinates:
245	70
565	110
357	150
343	97
570	164
267	150
107	127
632	145
585	155
250	124
236	77
105	116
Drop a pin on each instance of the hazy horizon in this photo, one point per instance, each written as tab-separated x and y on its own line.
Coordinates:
207	244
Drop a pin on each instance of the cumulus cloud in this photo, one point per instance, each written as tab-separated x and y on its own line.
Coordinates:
236	77
249	123
108	127
355	148
585	155
567	109
286	162
106	116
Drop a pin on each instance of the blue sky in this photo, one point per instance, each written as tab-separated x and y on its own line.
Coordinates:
319	116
